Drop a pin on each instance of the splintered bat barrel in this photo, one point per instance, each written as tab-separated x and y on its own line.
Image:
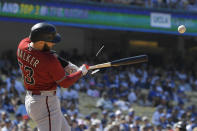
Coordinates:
124	61
130	60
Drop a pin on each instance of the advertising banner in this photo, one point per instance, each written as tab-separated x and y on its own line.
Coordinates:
161	20
100	17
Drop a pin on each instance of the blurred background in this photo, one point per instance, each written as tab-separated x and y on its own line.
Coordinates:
158	95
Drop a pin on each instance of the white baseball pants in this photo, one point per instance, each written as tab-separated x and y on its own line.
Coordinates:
45	111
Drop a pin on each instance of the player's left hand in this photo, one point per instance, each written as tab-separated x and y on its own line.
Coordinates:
84	69
71	68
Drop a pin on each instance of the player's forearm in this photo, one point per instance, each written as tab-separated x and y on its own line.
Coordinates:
70	79
67	65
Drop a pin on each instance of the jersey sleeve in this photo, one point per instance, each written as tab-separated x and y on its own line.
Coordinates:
55	69
69	80
59	75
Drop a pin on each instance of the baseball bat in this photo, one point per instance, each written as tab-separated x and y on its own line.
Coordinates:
120	62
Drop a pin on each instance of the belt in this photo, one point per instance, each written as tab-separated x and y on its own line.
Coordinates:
42	93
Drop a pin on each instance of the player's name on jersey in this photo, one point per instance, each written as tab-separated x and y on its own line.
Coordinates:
28	58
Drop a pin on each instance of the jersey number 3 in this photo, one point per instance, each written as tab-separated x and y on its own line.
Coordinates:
28	74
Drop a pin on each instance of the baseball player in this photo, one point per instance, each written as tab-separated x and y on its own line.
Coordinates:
42	71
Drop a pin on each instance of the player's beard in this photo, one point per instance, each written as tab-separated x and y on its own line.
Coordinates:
46	48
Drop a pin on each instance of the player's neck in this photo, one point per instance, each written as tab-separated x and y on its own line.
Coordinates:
32	45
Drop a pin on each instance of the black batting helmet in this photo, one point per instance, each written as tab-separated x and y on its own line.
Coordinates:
44	32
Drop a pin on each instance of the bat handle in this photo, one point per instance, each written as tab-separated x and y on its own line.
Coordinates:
108	64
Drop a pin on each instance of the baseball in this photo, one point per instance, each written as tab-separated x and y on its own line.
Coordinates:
181	29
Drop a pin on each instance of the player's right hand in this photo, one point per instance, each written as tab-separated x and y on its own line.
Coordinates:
84	69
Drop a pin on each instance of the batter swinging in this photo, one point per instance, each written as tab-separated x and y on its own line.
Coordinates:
42	71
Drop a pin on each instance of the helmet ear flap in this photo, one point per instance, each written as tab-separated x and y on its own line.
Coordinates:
44	32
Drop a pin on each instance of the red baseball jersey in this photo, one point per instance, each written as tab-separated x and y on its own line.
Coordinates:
41	70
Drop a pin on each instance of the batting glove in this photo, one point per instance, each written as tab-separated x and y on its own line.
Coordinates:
71	68
84	69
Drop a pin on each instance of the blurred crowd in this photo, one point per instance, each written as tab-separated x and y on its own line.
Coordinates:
189	5
163	89
170	4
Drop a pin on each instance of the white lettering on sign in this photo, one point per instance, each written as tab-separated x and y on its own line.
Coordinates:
53	11
10	8
162	20
43	10
76	13
60	12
